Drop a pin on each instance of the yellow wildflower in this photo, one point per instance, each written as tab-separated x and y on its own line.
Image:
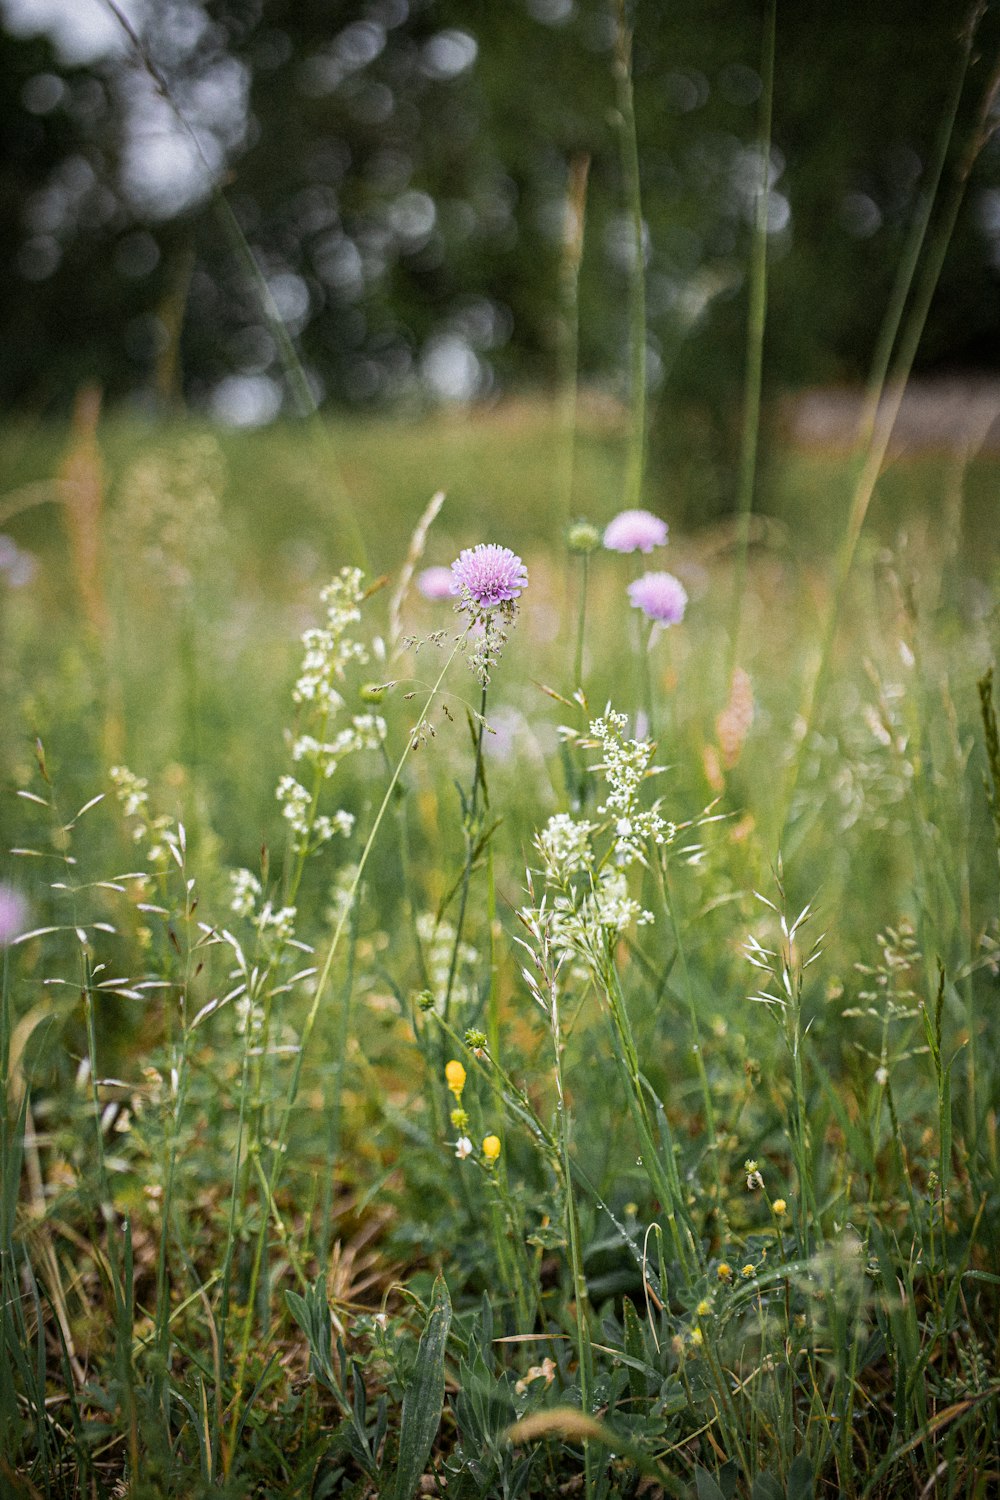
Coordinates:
455	1077
491	1149
724	1271
780	1207
704	1308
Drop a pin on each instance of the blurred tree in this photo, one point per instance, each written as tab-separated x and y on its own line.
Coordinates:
398	168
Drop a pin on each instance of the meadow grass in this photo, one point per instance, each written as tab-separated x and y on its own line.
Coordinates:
735	1228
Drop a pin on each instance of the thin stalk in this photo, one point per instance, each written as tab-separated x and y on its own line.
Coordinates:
581	623
333	1105
756	318
471	832
629	146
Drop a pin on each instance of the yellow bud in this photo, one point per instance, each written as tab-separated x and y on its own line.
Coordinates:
724	1271
491	1148
455	1077
704	1308
780	1207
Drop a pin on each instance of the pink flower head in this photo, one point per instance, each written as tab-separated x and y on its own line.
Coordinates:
435	583
635	531
487	575
13	914
660	596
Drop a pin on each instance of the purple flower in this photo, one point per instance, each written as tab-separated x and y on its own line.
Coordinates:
661	596
435	583
13	914
487	575
635	531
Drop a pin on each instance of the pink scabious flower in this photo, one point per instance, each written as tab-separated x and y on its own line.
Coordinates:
487	575
635	531
660	596
13	915
435	583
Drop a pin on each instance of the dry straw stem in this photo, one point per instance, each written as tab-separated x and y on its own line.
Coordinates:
418	542
80	486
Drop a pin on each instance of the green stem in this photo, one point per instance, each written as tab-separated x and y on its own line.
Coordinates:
581	623
471	840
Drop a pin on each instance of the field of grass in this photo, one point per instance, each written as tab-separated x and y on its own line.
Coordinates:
736	1227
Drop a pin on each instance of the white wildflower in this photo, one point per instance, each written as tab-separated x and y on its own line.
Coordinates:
626	766
564	844
245	890
296	804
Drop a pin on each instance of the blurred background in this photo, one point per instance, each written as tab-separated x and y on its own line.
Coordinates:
400	169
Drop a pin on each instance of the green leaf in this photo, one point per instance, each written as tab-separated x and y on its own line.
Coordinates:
766	1487
706	1486
800	1478
635	1347
424	1396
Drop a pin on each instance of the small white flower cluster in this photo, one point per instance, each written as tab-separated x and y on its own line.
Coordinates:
587	904
133	793
310	830
625	766
328	653
330	649
438	939
614	910
365	732
276	923
564	845
245	890
587	912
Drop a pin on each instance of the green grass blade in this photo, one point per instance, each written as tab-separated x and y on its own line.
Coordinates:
424	1398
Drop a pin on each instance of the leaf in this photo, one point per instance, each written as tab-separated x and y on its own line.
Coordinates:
706	1486
800	1478
635	1347
766	1487
424	1396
